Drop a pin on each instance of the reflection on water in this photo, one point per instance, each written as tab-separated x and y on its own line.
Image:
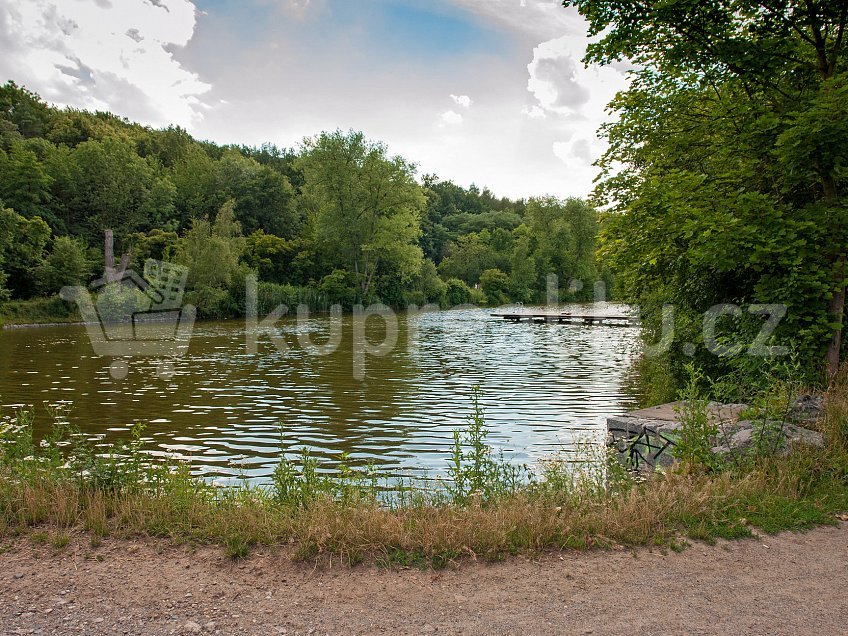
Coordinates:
545	387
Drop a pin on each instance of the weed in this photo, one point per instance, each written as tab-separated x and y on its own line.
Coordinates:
60	541
698	430
40	537
236	547
473	472
485	509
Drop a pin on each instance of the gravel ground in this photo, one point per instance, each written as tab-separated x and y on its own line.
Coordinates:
787	584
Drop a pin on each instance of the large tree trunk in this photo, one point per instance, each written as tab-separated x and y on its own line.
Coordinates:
113	274
109	256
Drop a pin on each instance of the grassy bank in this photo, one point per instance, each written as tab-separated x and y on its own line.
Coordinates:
486	509
53	310
38	311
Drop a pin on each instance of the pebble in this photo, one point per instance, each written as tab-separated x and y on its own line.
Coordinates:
192	628
19	576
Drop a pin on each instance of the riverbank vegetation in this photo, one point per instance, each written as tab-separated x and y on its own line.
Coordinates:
337	220
486	508
724	176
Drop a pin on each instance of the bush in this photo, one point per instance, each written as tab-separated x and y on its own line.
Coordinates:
117	303
478	297
698	430
66	265
211	302
457	293
495	285
428	287
338	288
474	472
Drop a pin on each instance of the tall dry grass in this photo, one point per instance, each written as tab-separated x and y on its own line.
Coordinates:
806	488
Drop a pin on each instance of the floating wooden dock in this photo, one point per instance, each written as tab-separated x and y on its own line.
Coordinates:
565	317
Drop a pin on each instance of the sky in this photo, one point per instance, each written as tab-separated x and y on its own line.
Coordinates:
490	92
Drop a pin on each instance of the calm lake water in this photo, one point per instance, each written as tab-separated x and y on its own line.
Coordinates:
545	387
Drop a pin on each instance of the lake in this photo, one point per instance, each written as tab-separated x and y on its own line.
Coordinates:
545	387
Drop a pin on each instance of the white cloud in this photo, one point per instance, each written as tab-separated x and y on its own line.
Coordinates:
533	112
98	55
561	83
451	118
561	150
565	101
462	100
554	80
578	152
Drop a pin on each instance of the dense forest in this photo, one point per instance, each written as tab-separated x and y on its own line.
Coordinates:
337	220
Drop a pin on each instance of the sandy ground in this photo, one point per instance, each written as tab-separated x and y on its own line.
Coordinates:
788	584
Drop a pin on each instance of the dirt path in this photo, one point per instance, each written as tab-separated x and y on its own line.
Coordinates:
789	584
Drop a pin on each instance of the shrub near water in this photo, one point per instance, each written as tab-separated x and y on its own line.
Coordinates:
473	471
486	508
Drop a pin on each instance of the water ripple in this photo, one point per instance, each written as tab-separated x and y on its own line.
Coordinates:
545	387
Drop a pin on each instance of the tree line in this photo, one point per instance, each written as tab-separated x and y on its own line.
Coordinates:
337	220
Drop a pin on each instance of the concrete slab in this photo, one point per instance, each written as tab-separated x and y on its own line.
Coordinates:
668	413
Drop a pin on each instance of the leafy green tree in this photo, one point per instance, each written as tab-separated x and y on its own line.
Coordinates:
337	287
280	160
106	185
5	239
564	234
72	127
24	183
67	264
269	255
495	284
212	251
434	235
25	242
366	206
24	109
156	244
457	292
195	178
523	277
469	256
157	207
453	211
466	223
427	287
167	147
726	166
264	198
